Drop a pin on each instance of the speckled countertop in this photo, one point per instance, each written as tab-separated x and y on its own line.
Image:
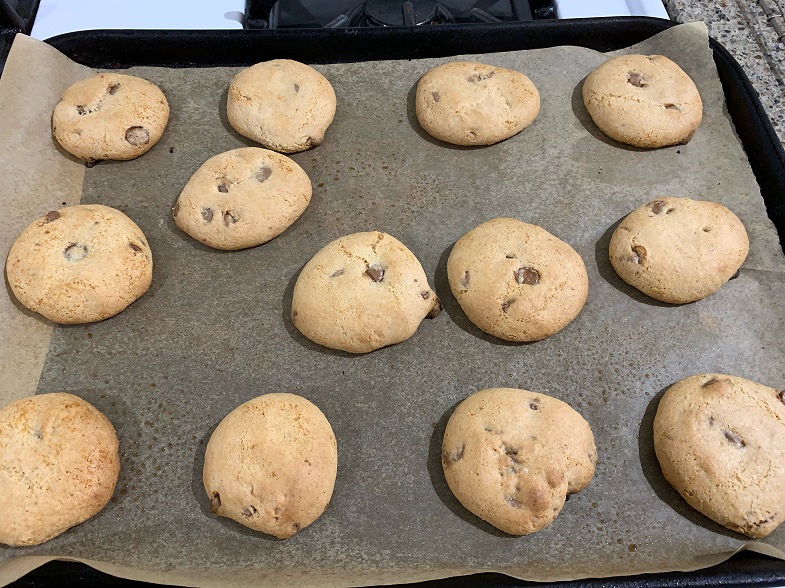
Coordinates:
741	26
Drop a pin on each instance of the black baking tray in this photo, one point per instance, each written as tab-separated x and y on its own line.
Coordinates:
115	49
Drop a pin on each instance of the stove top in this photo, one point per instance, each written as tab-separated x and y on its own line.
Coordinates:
371	13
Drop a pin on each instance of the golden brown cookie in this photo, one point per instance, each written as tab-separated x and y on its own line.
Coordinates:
643	100
362	292
80	264
468	103
282	104
678	250
242	198
271	464
516	281
719	441
512	456
110	116
59	465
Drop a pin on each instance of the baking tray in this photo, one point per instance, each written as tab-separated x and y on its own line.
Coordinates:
118	49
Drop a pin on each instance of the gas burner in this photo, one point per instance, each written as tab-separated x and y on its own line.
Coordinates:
390	13
276	14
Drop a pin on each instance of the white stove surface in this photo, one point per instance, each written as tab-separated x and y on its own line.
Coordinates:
56	17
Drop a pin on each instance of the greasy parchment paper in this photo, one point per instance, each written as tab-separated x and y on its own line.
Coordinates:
214	329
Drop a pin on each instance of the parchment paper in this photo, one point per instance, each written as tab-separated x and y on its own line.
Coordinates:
214	331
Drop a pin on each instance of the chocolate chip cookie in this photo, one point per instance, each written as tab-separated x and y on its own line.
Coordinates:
512	456
718	439
678	250
271	464
59	465
516	281
282	104
466	103
643	100
242	198
80	264
110	116
362	292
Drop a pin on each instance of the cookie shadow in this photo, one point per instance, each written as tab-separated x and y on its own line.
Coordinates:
439	482
450	305
411	115
653	474
228	127
65	153
200	495
583	116
609	274
294	333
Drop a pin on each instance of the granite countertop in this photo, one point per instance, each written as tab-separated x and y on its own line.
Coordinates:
742	27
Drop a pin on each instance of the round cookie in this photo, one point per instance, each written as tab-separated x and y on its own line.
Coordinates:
80	264
282	104
512	456
516	281
271	464
59	465
643	100
718	439
362	292
466	103
678	250
242	198
110	116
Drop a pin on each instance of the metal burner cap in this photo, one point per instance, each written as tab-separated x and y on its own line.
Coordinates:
391	13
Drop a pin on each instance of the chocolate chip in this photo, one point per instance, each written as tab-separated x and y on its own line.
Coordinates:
670	210
706	229
435	96
376	273
296	88
223	188
113	89
507	304
734	439
75	252
263	173
207	214
215	502
337	273
527	275
81	110
249	511
465	280
425	295
509	450
176	209
635	79
781	396
137	136
456	455
513	502
230	217
90	163
52	215
672	107
510	256
171	149
135	247
639	254
657	206
436	309
534	406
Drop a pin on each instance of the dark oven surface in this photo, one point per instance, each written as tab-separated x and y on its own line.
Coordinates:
118	49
